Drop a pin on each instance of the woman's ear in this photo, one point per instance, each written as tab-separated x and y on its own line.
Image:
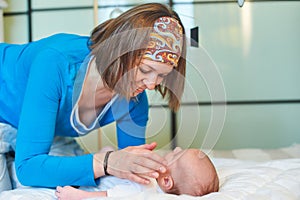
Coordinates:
166	182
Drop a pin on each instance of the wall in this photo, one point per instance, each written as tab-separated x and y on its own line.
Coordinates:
24	22
2	6
242	82
255	49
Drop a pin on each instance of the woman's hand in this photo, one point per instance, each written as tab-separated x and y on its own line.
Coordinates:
136	163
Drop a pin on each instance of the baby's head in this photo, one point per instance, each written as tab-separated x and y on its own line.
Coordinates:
189	172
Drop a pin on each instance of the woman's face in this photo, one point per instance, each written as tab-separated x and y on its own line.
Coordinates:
149	74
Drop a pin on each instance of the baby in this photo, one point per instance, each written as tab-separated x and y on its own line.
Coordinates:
189	172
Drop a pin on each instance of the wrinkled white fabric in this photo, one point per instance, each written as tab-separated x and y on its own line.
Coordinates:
240	179
7	144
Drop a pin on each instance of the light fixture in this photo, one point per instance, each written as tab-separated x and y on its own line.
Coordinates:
241	3
115	12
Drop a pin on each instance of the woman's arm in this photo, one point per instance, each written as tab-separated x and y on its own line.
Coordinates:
37	128
131	128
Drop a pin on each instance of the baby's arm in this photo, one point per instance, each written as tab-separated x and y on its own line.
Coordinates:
70	193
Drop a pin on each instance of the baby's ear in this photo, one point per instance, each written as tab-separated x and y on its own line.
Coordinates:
167	182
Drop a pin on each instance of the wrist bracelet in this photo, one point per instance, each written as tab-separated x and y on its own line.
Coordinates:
105	162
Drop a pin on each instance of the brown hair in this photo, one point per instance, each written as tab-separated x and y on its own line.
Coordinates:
117	46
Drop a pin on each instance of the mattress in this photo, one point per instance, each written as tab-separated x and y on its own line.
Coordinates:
244	174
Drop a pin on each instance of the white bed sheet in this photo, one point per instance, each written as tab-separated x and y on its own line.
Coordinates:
244	174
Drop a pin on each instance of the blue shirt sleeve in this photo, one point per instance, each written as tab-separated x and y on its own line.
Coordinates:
37	129
131	119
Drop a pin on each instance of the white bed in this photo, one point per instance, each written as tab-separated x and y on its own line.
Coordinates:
244	174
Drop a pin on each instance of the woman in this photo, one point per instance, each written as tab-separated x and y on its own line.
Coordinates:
68	85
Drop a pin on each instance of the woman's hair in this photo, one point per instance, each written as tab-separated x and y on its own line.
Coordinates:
118	45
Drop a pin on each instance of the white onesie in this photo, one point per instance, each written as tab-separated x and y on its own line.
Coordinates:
117	187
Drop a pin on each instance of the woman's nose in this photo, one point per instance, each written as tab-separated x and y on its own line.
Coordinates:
150	85
151	82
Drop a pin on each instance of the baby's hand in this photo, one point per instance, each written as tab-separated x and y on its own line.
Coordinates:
69	193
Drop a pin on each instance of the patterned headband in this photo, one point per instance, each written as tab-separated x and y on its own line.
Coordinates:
165	43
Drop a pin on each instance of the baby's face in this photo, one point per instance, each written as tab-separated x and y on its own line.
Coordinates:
186	156
174	155
166	180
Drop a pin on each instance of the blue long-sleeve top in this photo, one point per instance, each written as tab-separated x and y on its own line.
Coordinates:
36	91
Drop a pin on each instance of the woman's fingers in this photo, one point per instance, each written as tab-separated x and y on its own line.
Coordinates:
141	170
157	159
145	151
139	179
150	146
147	164
146	158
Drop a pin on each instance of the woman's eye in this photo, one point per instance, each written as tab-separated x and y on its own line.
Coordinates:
162	75
144	70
